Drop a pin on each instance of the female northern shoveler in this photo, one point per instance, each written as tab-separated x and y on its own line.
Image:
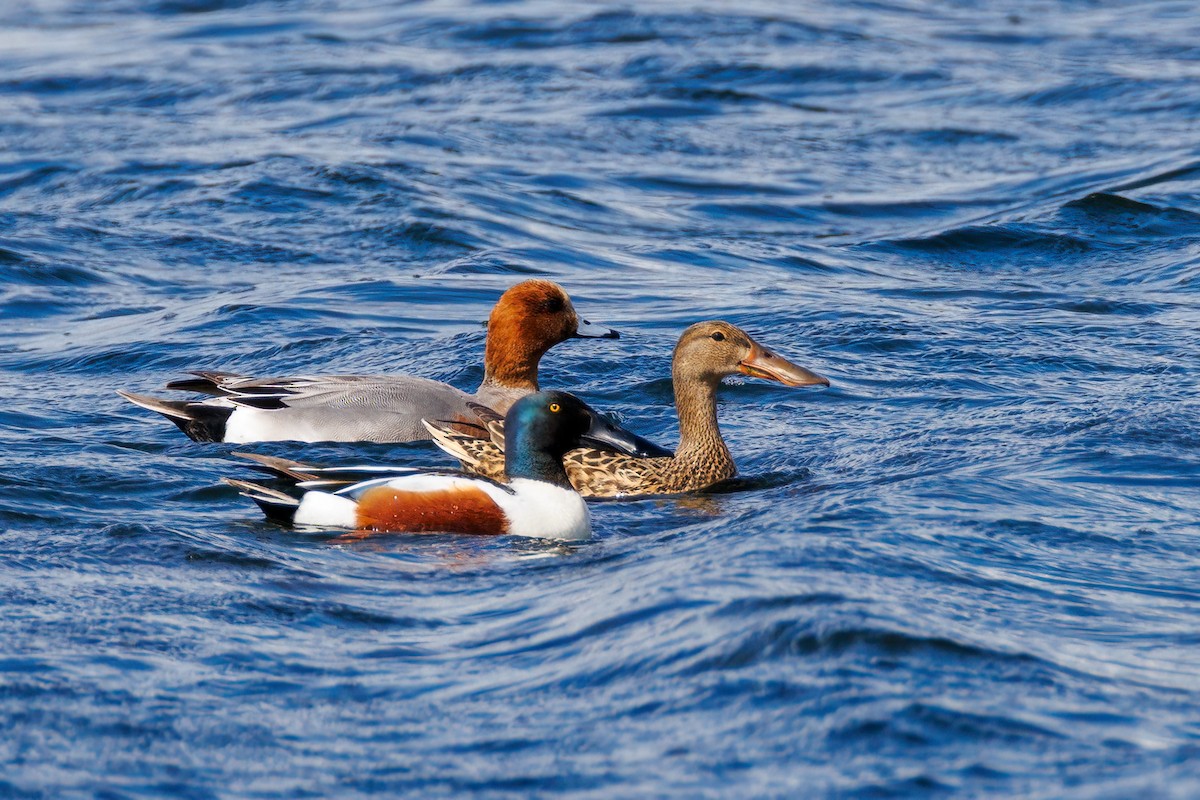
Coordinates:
527	320
706	353
536	500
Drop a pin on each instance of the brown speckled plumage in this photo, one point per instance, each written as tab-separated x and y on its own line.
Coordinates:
706	353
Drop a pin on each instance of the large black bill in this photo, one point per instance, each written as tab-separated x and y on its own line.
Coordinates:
607	436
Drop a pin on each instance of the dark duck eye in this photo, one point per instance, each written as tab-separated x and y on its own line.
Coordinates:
718	337
553	305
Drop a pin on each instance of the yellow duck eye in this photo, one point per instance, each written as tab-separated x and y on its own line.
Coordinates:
555	407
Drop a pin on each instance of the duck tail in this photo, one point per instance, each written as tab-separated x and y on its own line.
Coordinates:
451	442
200	421
275	505
478	455
205	382
285	468
306	476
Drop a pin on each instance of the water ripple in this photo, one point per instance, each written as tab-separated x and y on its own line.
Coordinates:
966	569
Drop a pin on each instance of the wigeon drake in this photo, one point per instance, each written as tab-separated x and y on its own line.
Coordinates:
705	353
536	499
526	321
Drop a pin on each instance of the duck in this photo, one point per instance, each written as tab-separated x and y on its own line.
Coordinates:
527	320
706	353
533	499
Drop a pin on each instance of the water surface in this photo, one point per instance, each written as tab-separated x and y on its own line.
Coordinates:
967	569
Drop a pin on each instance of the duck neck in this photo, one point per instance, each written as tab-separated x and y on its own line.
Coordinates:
510	359
699	434
522	461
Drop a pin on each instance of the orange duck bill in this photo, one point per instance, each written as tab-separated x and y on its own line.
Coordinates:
763	363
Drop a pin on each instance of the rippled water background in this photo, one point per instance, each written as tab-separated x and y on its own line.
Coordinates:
969	568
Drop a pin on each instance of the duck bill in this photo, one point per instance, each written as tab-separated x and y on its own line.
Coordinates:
590	330
607	436
762	364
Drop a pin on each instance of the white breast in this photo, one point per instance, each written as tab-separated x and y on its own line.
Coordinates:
543	511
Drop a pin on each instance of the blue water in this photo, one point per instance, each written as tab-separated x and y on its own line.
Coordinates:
970	568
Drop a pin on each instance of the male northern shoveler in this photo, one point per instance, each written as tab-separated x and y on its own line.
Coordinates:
536	499
526	321
706	353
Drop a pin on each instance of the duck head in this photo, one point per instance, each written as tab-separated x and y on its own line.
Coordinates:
542	427
709	351
528	320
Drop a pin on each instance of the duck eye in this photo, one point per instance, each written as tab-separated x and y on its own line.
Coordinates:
553	305
555	408
718	337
